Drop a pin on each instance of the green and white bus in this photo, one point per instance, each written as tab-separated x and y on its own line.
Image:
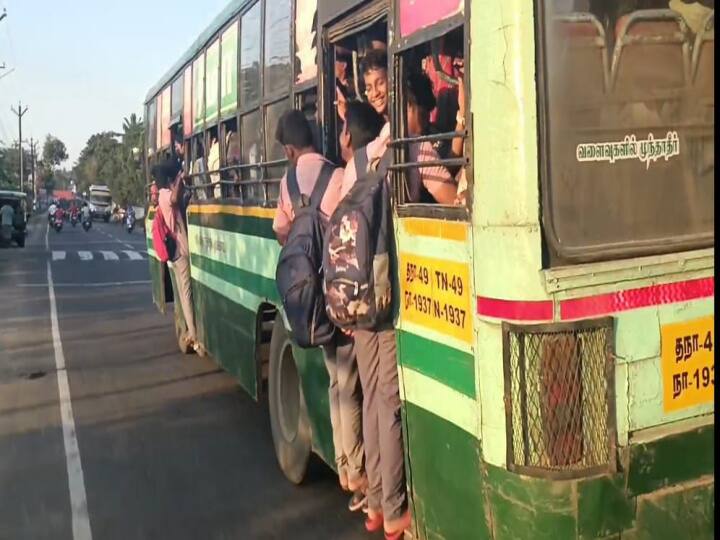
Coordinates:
556	331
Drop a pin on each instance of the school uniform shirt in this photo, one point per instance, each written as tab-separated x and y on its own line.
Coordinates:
173	220
307	171
374	149
437	180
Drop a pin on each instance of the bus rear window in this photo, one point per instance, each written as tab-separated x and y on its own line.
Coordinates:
628	124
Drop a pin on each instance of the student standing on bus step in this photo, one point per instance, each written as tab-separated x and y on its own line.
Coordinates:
169	178
377	363
295	135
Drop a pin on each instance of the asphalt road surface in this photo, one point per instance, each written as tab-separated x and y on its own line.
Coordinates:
107	432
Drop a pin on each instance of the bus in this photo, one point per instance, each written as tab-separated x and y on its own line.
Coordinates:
555	329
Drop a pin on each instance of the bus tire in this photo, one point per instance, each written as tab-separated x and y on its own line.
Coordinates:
288	414
181	333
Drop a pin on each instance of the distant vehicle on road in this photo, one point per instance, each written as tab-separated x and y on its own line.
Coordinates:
100	202
18	201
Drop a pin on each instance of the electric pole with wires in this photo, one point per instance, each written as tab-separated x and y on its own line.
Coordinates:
20	112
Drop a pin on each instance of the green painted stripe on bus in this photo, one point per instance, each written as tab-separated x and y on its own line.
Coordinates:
257	285
250	225
253	254
446	365
434	335
439	399
231	292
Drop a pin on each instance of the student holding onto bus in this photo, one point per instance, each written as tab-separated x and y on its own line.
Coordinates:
377	363
295	135
169	179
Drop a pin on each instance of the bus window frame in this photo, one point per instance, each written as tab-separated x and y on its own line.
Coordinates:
229	116
176	119
396	49
344	25
201	129
555	255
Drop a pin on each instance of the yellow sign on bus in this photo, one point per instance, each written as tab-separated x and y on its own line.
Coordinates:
436	295
688	364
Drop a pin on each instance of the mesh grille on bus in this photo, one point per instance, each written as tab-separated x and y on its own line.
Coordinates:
559	396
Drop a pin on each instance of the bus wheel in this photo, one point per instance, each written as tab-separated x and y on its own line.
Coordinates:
288	414
181	333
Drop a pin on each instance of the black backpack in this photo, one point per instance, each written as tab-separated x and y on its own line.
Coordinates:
299	269
356	258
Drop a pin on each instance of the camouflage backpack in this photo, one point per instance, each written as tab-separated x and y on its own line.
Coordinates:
356	258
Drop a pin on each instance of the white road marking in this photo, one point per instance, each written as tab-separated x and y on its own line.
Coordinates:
133	255
76	480
110	256
85	255
58	255
47	230
82	285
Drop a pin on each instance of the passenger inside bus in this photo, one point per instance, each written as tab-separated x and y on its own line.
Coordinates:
375	79
434	184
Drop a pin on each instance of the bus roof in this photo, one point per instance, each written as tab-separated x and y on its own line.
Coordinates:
9	193
233	8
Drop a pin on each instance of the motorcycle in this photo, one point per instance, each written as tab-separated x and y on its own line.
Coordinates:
130	223
86	224
74	219
58	223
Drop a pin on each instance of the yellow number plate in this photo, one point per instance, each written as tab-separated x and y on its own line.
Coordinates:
688	364
436	295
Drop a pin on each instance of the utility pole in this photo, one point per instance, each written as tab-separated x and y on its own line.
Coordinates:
20	112
33	158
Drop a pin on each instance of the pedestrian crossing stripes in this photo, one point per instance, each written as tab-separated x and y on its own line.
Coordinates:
84	256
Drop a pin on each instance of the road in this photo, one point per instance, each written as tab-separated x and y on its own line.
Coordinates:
128	439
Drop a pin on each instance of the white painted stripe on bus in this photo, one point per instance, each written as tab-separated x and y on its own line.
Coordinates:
228	290
110	256
76	479
59	255
249	253
85	255
440	400
133	255
438	248
434	335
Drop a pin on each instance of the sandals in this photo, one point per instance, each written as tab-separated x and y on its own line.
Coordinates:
400	524
357	501
373	523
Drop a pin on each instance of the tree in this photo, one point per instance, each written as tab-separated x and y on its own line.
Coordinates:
54	152
10	166
99	161
105	160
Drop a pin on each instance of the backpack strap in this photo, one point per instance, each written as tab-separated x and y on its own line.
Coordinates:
382	165
294	189
321	185
361	162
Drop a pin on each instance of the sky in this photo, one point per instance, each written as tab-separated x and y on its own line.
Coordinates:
81	66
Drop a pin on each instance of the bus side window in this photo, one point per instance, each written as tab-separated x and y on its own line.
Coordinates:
431	149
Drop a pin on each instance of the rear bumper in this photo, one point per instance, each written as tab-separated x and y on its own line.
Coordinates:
664	488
